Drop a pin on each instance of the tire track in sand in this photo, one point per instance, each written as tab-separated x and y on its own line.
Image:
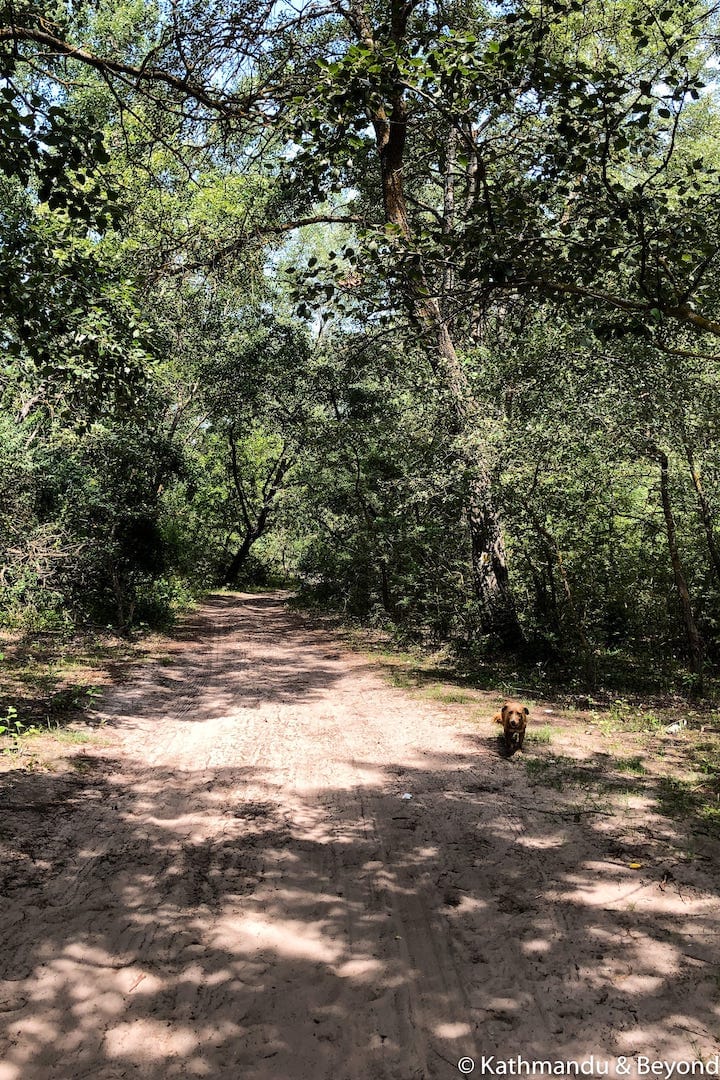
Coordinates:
235	888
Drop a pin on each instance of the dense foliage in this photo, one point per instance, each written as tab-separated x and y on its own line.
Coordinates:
413	305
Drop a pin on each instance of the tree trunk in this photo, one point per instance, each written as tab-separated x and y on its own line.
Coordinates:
448	223
239	559
253	529
703	509
695	643
387	599
555	556
498	615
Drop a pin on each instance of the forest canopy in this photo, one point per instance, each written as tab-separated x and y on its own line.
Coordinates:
413	306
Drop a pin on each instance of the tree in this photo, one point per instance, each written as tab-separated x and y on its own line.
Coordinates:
487	172
261	403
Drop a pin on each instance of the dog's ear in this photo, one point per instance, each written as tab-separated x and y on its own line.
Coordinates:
504	710
526	711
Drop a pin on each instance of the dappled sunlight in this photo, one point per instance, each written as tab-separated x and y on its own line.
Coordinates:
297	940
145	1040
288	915
299	925
507	1004
453	1031
192	693
366	969
535	947
540	843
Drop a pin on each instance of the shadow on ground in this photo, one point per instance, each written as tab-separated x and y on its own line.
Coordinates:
212	923
159	955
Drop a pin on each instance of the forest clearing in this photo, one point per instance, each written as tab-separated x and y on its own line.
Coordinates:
229	880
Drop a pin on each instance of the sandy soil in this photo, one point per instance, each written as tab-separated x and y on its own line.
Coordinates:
233	886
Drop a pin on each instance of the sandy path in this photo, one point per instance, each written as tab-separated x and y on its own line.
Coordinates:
234	888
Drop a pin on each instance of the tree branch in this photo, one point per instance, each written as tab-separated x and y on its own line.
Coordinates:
214	258
144	73
683	313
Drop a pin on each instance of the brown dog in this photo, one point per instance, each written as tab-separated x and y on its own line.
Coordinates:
514	717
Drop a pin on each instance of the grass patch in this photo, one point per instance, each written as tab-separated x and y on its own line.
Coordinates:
70	736
553	771
560	771
409	672
79	696
537	767
676	797
404	680
622	716
630	765
448	695
48	682
83	764
706	759
385	656
541	736
698	794
691	794
641	740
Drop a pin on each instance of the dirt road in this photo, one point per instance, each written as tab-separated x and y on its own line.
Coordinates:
233	886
